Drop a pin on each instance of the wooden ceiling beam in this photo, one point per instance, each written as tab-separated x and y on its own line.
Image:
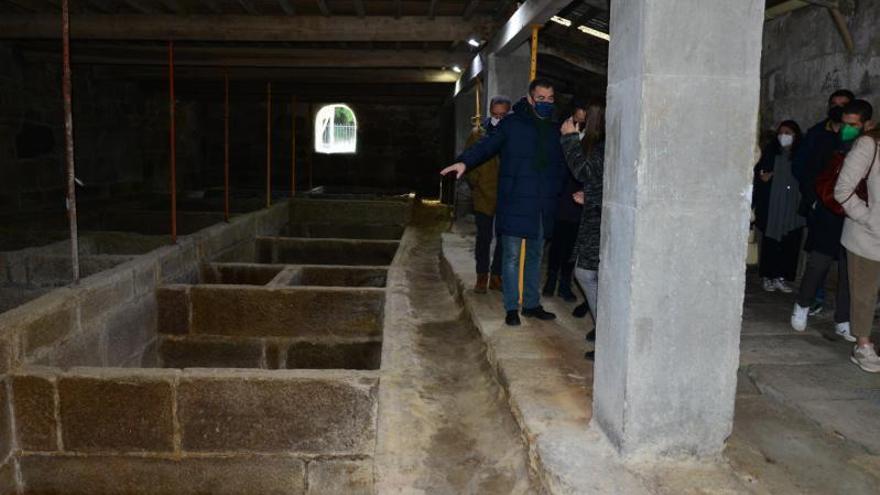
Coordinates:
305	75
243	28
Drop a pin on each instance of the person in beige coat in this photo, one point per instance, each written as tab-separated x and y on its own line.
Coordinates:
861	238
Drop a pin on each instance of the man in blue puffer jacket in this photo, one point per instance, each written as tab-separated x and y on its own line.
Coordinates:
530	180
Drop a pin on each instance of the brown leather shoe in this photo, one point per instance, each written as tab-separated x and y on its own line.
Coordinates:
482	282
495	282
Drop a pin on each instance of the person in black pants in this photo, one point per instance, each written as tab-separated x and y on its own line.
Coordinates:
560	266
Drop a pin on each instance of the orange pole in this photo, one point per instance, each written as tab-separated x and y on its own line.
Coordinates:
172	133
268	144
293	147
226	147
66	88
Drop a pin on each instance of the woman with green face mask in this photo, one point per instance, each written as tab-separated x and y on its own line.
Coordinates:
861	229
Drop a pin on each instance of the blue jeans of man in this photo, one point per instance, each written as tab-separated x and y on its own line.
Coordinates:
531	271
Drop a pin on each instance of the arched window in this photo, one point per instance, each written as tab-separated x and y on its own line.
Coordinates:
335	130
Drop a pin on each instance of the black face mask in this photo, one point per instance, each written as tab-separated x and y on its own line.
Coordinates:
835	114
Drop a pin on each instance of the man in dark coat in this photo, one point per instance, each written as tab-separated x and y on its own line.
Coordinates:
531	177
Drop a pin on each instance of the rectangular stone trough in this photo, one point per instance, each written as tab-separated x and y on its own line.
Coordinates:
289	250
344	231
135	431
293	275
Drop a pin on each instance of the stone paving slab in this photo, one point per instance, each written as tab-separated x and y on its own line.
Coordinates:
855	420
789	349
838	380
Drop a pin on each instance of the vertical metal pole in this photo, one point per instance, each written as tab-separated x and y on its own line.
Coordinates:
226	147
268	144
533	73
293	146
67	90
172	140
477	92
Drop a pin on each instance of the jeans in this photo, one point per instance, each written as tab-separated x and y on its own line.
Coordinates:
485	233
817	268
589	280
864	281
531	271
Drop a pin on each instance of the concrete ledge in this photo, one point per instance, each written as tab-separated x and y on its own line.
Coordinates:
290	250
236	310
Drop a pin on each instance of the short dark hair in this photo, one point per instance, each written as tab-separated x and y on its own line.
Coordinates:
539	82
842	92
861	108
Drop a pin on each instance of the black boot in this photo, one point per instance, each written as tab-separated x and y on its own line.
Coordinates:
539	313
512	318
581	310
590	355
591	335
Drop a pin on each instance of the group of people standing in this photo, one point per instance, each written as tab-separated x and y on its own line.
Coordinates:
532	180
821	182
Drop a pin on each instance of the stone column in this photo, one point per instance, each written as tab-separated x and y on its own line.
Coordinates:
681	123
508	75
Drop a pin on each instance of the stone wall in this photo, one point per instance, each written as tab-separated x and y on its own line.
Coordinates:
804	60
109	319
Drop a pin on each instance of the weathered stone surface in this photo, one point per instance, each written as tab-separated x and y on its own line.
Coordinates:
119	412
325	251
210	353
35	412
109	290
239	273
343	276
352	356
5	423
101	475
131	328
345	231
341	477
49	328
85	349
280	312
8	484
348	210
173	306
277	412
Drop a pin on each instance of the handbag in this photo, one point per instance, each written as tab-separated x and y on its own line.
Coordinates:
827	180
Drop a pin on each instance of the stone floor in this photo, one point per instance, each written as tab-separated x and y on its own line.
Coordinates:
806	419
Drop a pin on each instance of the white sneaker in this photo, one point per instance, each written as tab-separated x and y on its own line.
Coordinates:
769	285
842	329
799	317
782	286
866	358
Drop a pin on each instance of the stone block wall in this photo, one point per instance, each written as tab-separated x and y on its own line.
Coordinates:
109	319
804	60
168	431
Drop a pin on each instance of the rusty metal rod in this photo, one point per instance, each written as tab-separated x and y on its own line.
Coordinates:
268	144
293	146
67	91
226	147
172	141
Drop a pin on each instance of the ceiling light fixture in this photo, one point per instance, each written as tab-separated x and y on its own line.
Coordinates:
561	20
594	32
456	68
474	43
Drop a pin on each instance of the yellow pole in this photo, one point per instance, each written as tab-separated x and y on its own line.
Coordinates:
533	73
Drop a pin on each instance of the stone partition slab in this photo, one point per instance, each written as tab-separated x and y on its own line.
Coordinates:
239	273
349	211
111	410
305	412
200	351
117	475
342	276
325	251
344	231
234	310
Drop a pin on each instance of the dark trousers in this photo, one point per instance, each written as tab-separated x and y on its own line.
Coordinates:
779	259
817	268
559	264
485	232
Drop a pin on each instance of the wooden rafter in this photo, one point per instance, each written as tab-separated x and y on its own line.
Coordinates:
245	28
